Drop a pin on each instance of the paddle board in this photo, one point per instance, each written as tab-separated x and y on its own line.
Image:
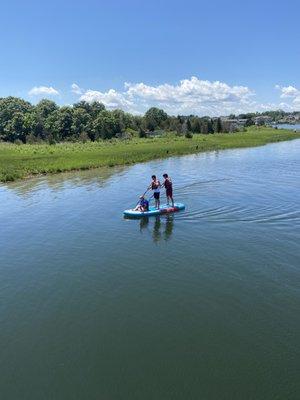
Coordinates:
164	209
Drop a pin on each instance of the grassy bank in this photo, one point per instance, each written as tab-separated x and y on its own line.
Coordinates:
21	161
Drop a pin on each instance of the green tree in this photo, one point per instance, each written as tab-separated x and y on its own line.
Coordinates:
217	125
15	128
96	108
105	126
188	125
81	122
175	124
125	120
65	122
204	126
195	124
137	121
34	125
154	118
93	108
84	105
9	107
44	108
59	124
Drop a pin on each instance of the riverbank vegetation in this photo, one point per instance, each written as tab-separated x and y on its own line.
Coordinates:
21	161
23	122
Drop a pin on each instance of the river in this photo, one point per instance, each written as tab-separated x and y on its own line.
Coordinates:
202	304
292	127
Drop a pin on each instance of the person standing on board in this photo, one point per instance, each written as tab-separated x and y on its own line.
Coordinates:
169	189
155	186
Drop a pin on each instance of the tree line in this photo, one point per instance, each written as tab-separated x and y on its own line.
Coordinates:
274	115
23	122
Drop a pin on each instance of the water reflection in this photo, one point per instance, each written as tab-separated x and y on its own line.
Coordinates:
161	228
94	178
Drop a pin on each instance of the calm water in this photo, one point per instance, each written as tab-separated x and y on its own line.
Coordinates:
289	126
203	304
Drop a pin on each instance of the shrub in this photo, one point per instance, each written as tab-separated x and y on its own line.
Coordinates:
51	140
84	137
31	139
142	133
132	132
189	135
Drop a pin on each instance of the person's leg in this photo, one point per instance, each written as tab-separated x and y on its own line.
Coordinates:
169	194
171	197
156	196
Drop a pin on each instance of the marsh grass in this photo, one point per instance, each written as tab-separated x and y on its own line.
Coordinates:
21	161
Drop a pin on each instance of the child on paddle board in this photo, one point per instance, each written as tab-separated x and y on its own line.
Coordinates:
155	186
143	205
167	184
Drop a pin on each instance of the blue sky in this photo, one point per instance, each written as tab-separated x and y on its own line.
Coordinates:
196	57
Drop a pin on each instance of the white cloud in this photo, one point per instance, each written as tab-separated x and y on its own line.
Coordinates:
191	90
76	89
289	91
43	90
189	96
111	99
193	96
292	93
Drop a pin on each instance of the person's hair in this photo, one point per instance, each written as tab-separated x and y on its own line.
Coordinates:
165	175
153	176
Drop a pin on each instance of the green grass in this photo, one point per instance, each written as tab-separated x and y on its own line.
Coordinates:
21	161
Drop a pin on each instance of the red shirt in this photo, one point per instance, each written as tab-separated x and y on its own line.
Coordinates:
168	184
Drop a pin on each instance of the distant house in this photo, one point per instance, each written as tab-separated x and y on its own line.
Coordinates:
263	120
242	121
292	118
232	125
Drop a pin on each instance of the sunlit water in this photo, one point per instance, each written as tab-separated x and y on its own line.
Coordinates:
202	304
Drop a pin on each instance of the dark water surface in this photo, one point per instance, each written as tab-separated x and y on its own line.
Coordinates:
203	304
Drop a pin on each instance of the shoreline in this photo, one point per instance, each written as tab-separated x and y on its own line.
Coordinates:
19	162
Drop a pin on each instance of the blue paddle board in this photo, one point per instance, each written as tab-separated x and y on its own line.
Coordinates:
164	209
